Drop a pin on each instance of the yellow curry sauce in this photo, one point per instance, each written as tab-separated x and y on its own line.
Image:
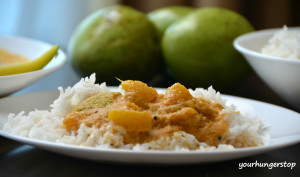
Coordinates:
9	58
147	115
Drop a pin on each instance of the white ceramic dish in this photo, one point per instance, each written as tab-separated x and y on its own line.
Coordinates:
281	74
283	126
31	49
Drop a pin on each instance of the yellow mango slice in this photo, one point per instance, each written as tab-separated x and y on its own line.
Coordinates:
139	92
177	93
27	66
132	120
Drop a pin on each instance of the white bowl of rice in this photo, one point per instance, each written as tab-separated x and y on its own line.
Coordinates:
274	54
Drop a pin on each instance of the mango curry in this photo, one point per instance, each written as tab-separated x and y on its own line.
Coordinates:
147	115
9	58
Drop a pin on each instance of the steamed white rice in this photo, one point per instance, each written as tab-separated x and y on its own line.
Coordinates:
244	130
284	43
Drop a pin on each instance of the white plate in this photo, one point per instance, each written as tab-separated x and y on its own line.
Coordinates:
31	49
283	126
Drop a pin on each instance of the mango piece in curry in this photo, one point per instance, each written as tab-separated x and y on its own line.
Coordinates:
147	115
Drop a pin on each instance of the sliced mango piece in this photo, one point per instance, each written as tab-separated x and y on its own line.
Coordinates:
132	121
139	92
177	93
28	66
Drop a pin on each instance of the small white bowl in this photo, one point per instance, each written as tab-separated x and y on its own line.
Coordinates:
280	74
31	49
